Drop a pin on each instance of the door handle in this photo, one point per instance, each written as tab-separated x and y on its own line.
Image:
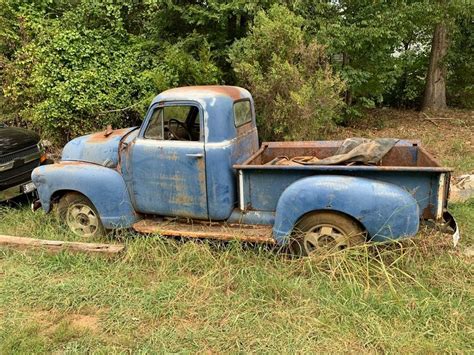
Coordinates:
195	155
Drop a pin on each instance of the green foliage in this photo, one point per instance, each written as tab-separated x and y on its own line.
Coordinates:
219	22
69	67
371	43
296	94
460	64
75	76
79	76
408	88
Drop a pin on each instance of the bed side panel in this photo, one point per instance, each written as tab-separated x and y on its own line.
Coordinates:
262	188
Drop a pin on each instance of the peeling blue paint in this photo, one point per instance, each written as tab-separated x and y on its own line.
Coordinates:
385	210
104	187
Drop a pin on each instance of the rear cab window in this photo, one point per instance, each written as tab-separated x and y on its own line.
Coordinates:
242	112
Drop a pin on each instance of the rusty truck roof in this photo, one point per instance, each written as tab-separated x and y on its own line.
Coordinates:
203	92
217	102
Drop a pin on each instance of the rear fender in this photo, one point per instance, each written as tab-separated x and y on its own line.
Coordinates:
385	210
104	187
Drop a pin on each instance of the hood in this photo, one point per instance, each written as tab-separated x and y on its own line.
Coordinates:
13	139
97	148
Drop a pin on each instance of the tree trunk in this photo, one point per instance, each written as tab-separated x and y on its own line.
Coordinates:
435	86
348	93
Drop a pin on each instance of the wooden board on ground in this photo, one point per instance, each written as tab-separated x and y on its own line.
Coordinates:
56	245
210	230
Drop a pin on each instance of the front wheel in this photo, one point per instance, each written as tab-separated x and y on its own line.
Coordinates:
80	215
325	231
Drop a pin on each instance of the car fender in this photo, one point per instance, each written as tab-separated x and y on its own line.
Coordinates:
103	186
385	210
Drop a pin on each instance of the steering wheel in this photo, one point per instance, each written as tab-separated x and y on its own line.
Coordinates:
173	132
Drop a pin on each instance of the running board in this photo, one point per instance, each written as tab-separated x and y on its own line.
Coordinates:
206	230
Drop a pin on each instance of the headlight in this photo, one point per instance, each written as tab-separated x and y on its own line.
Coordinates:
42	151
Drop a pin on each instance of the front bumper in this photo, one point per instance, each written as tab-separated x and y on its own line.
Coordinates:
17	190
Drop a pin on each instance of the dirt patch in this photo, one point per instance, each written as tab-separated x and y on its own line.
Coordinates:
469	252
50	320
83	321
44	318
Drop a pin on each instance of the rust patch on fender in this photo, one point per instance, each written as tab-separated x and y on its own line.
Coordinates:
64	163
101	137
427	212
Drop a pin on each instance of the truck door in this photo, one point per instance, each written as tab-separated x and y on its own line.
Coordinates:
168	162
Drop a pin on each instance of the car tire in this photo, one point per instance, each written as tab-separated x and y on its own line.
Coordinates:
325	231
79	214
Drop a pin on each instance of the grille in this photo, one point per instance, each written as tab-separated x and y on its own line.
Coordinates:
17	175
18	154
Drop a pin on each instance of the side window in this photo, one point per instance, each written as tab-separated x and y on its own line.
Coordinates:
155	126
177	122
242	112
179	113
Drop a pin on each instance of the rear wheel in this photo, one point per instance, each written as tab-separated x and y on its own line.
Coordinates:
79	214
325	231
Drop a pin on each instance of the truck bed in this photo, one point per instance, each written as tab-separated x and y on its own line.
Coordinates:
407	165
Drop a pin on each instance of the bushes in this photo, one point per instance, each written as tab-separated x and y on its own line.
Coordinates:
69	78
296	94
81	77
75	69
81	81
76	76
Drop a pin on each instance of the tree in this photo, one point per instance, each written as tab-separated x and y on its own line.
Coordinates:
453	25
435	90
68	67
373	46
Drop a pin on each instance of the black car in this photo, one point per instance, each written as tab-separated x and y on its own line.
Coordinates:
20	153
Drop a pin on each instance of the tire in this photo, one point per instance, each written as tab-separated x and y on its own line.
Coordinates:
325	231
79	214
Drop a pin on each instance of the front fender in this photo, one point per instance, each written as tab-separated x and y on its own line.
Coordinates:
104	187
385	210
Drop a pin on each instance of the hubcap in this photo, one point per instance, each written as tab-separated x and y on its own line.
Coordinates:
82	220
325	236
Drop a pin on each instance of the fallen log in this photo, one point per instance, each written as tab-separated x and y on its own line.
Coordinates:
58	245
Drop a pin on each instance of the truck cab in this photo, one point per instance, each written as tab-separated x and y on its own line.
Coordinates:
180	163
196	161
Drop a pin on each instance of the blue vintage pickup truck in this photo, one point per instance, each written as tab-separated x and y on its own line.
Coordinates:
195	169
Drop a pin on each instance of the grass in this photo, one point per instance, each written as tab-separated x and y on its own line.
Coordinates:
166	295
459	157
